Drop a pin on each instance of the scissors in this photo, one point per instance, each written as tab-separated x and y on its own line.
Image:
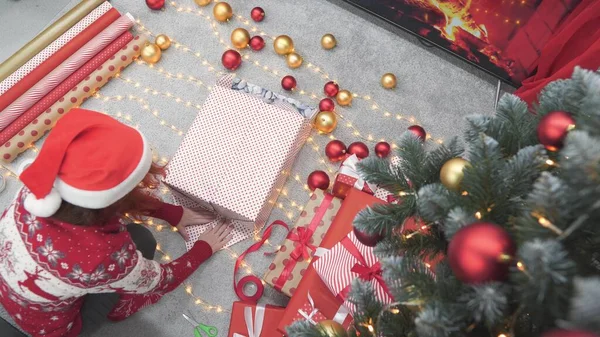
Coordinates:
211	331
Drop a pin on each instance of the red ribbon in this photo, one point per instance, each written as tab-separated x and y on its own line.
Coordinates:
302	235
362	269
391	198
239	287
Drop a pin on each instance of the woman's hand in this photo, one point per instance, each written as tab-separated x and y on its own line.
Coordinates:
218	236
190	217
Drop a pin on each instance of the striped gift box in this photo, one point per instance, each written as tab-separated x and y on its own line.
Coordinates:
347	260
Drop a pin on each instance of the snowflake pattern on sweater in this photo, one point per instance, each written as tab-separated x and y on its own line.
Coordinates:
47	267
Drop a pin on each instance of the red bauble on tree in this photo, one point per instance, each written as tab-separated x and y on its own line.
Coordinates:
326	104
231	59
335	150
369	240
257	43
418	131
382	149
155	4
257	14
568	333
331	89
359	149
480	252
288	83
318	179
553	129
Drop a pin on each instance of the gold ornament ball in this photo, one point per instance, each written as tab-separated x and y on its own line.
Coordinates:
328	41
452	174
294	60
388	81
202	3
331	329
344	97
240	38
326	121
151	53
222	11
163	42
283	45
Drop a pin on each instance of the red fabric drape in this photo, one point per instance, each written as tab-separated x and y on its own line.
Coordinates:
576	43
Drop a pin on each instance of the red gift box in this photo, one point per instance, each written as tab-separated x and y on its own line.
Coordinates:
330	306
348	178
254	320
309	312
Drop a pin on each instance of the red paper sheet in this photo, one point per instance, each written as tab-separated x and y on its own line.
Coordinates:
53	61
57	93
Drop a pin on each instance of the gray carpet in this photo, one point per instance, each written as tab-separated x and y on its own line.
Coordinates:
434	88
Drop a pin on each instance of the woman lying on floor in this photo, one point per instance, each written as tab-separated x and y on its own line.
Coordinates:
62	238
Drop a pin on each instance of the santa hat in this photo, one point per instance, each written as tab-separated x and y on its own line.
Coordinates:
89	160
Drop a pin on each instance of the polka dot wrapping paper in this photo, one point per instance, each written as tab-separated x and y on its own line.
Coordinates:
237	154
73	98
289	264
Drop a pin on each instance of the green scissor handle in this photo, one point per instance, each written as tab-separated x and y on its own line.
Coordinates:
211	331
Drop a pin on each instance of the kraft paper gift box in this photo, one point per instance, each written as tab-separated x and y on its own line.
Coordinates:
347	260
254	320
324	300
235	156
293	258
348	178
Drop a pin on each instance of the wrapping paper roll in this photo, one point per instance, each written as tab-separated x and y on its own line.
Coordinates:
57	58
38	108
84	89
43	39
53	47
64	70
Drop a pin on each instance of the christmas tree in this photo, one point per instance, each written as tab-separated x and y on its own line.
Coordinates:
515	227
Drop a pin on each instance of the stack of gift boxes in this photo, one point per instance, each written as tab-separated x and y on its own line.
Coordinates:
320	256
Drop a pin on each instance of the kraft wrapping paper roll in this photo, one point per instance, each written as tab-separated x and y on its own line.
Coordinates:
54	47
43	39
64	70
74	98
38	108
57	58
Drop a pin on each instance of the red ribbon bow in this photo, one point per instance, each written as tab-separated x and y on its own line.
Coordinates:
368	273
302	235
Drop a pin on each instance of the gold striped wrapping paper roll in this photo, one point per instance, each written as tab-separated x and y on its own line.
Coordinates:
74	98
47	36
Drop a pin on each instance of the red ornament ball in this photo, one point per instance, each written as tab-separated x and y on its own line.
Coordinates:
568	333
257	14
335	150
475	253
257	43
553	129
331	89
231	59
326	104
155	4
318	179
369	240
359	149
382	149
288	83
418	131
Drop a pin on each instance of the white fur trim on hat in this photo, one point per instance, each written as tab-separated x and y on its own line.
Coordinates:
44	207
104	198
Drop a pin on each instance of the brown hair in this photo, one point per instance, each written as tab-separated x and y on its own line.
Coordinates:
138	203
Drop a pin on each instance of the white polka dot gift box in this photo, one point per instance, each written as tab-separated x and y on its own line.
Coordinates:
233	157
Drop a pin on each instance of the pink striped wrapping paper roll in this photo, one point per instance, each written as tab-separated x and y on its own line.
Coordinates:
70	83
70	65
42	56
74	98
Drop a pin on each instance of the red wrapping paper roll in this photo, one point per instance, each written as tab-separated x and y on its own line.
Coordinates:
57	58
68	84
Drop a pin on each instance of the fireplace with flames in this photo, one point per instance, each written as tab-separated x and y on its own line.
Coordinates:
502	37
